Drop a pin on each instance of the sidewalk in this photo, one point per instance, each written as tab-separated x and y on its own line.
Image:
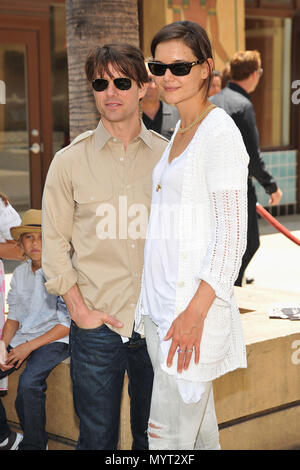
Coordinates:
276	264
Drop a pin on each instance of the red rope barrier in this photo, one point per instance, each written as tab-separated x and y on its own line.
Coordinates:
266	215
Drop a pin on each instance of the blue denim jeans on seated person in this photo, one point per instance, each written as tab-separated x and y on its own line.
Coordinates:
31	395
99	360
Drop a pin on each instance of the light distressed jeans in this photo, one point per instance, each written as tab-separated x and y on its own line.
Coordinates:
177	425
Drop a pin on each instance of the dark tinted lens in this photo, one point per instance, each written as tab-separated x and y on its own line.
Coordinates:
157	69
180	69
99	84
122	83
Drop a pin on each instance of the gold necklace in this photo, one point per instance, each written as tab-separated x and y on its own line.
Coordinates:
198	119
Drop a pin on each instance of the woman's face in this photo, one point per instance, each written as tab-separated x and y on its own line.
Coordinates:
177	89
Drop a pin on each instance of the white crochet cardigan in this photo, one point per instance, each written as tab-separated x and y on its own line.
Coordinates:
215	183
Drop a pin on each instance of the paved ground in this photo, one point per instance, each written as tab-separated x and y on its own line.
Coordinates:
276	264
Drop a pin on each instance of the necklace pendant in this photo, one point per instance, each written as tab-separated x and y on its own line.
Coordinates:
158	187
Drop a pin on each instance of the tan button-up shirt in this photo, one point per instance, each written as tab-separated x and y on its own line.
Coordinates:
96	205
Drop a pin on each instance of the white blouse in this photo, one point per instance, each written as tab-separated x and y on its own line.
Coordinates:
212	233
161	256
161	247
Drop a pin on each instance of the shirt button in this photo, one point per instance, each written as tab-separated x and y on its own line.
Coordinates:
121	159
181	284
128	186
131	305
115	139
132	245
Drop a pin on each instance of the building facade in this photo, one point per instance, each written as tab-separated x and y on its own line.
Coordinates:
34	98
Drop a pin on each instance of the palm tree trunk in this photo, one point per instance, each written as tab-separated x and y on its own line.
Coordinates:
93	23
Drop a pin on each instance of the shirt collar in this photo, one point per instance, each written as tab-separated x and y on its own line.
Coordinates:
103	136
235	87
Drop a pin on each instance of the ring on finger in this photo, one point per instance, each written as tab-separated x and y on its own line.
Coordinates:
189	350
180	351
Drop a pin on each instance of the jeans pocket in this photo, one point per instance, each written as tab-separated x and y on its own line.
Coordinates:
78	329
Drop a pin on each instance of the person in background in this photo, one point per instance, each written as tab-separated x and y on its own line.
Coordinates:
216	83
195	241
245	73
36	330
225	76
8	250
158	115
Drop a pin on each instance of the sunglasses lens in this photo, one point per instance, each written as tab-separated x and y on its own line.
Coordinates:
99	84
180	69
122	83
157	69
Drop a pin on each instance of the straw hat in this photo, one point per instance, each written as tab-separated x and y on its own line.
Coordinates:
31	222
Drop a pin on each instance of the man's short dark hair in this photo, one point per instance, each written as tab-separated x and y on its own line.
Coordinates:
125	58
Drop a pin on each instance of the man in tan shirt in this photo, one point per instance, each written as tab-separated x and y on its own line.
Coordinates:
95	210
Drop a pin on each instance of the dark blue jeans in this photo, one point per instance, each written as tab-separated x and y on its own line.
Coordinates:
31	395
99	360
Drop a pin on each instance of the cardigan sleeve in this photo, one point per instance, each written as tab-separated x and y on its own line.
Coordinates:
226	176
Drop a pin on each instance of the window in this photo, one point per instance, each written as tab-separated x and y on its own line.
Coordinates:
272	98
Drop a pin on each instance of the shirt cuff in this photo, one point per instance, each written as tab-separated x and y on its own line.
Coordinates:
62	283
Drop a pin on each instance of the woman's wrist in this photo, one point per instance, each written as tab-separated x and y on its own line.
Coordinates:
203	299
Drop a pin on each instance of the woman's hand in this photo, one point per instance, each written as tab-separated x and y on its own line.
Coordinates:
186	330
11	250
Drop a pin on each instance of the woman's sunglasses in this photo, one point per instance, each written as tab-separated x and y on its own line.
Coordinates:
100	84
178	68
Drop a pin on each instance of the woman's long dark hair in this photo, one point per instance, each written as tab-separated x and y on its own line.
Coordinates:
191	34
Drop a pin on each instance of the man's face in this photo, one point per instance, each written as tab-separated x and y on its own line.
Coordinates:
116	105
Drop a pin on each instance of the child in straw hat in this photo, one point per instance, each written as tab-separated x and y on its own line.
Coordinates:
36	330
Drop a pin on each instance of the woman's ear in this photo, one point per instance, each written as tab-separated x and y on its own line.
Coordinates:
207	68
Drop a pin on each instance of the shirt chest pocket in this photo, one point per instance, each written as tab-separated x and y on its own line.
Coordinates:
90	200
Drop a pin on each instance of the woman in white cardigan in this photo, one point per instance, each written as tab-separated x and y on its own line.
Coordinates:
195	242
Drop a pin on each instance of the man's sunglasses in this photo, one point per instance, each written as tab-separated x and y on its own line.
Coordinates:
178	68
100	84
